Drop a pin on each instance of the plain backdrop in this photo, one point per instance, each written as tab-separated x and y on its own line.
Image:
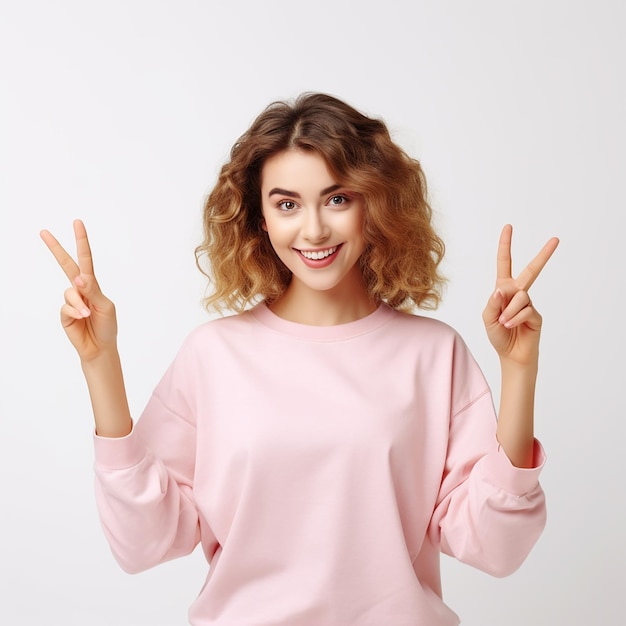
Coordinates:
122	112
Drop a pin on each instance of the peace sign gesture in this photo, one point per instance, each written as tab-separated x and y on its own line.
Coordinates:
87	316
513	324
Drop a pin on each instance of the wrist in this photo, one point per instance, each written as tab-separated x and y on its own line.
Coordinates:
104	358
105	382
527	368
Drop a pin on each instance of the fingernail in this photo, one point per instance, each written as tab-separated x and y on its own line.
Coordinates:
79	282
85	311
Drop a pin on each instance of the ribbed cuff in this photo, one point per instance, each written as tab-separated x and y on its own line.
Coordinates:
498	470
114	453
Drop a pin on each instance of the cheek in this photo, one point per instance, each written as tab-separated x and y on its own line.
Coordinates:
357	225
278	236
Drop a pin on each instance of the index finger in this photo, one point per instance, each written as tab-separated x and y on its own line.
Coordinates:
530	273
70	268
504	253
67	263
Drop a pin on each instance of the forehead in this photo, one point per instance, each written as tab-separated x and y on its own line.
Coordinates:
295	166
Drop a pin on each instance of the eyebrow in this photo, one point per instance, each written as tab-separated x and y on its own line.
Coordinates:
295	194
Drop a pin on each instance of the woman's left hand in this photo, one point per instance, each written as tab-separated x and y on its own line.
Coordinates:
513	324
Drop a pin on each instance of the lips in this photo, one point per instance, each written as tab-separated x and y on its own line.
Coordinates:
319	258
317	255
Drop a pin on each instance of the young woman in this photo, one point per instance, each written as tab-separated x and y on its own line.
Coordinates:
324	444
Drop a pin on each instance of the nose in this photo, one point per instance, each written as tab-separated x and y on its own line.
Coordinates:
314	228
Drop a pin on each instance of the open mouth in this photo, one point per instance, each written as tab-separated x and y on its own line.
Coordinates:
318	255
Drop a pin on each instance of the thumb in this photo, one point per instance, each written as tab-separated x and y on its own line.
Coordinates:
88	287
493	308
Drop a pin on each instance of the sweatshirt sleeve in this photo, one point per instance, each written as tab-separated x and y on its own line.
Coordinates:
489	513
144	481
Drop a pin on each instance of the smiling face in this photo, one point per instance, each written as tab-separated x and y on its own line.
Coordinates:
314	224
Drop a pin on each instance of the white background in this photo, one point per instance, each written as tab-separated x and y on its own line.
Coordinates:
121	113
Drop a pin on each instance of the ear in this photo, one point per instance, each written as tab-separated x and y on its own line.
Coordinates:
263	225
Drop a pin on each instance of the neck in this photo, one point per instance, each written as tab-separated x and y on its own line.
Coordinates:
340	305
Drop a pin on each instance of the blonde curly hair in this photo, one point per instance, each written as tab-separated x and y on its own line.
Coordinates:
402	251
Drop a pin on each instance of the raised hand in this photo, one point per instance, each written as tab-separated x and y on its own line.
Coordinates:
513	324
87	316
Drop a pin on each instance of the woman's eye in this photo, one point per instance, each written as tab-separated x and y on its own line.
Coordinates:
287	205
338	200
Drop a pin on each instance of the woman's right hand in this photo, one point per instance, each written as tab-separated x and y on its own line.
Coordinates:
87	316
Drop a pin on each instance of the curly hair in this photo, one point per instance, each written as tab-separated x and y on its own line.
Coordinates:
402	251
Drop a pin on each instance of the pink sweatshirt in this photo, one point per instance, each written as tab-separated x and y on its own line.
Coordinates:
323	469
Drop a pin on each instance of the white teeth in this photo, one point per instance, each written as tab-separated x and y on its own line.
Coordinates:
318	254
